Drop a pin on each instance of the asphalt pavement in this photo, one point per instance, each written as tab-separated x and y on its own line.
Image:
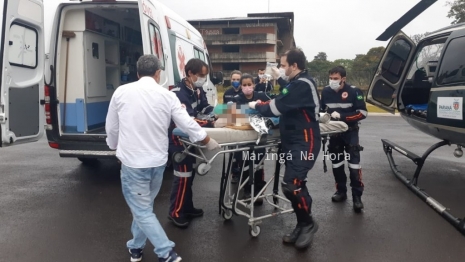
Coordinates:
56	209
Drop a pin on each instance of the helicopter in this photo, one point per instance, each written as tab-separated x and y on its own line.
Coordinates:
425	83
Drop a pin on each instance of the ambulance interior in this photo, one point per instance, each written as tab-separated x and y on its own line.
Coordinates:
99	48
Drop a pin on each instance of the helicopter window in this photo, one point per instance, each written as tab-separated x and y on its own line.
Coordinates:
394	63
453	65
426	58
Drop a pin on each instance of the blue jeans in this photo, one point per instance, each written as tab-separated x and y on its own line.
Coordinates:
140	187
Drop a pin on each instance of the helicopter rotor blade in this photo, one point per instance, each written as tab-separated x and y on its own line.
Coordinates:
405	19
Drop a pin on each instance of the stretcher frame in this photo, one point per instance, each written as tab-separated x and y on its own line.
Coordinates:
228	203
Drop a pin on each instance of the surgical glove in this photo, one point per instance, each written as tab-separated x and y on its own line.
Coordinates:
275	72
335	115
212	144
252	104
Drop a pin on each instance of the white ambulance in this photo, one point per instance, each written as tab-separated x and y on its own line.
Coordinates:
91	47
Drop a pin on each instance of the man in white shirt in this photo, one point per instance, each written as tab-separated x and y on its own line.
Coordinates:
137	125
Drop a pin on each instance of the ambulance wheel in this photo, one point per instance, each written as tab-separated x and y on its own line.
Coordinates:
178	157
202	169
254	231
227	214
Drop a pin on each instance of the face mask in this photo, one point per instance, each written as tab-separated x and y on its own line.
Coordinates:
247	90
260	76
235	84
200	81
283	74
334	84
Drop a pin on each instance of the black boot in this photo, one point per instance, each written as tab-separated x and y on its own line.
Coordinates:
306	235
339	196
358	205
291	238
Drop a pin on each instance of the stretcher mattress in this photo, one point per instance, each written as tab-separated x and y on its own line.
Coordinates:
228	135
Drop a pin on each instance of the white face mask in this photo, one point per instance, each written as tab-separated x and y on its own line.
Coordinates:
334	84
283	74
200	81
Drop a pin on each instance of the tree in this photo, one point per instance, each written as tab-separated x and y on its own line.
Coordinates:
346	63
416	38
321	56
457	11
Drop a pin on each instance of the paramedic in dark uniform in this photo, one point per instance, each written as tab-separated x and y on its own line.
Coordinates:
298	109
236	87
261	83
247	95
345	103
192	96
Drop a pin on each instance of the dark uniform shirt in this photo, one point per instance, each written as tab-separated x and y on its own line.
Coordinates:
298	108
263	87
196	103
348	102
229	94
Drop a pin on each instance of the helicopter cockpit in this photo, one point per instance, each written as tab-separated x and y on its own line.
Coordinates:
415	93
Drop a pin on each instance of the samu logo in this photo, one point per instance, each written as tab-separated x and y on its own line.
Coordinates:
456	105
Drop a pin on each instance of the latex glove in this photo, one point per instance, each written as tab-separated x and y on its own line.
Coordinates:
335	115
252	104
212	144
275	72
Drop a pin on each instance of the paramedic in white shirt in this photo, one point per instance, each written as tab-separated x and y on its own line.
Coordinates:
137	127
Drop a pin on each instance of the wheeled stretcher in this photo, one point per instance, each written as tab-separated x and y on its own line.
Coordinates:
245	141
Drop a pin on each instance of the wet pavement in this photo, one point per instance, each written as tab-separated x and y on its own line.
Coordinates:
55	209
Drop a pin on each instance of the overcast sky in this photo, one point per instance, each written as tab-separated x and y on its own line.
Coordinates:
341	28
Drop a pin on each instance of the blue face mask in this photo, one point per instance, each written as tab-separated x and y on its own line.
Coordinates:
235	84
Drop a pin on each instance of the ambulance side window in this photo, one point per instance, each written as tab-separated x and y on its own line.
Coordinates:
156	44
199	54
452	71
23	42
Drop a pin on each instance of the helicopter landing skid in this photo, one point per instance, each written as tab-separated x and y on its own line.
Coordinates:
388	146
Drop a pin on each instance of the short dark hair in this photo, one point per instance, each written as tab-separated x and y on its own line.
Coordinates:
147	65
296	55
195	65
338	70
247	76
261	69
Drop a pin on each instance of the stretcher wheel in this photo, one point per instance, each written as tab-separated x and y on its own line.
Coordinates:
203	168
227	214
254	231
178	157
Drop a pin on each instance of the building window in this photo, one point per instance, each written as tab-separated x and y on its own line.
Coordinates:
230	31
231	66
231	49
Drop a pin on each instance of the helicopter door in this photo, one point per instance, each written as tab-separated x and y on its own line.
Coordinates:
22	116
390	73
